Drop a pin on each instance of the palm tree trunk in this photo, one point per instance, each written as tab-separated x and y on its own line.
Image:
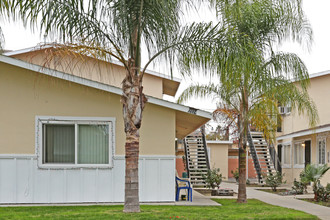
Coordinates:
132	173
243	128
241	198
133	101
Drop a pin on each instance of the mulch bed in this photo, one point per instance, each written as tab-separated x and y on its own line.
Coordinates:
280	192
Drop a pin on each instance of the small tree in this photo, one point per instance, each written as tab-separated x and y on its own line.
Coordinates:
274	180
213	178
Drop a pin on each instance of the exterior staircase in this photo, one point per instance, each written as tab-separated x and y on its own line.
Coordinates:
260	152
197	161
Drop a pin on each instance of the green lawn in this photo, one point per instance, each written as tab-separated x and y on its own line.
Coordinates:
254	209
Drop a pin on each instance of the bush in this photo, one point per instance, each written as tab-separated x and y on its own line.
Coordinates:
274	180
313	173
323	193
213	178
299	187
235	174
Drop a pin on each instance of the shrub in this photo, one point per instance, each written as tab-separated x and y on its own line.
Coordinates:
299	187
323	193
213	178
235	174
313	173
274	180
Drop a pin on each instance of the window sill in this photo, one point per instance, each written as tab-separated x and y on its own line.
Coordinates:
286	166
299	166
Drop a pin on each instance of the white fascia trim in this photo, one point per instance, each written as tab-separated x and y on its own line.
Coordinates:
314	75
18	156
97	85
303	133
26	50
323	73
218	142
150	157
30	49
116	157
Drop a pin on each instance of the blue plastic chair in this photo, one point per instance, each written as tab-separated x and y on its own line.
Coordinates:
187	187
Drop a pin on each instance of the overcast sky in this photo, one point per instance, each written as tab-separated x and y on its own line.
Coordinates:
317	60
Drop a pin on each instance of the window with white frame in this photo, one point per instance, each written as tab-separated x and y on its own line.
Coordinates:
75	142
286	155
298	154
321	149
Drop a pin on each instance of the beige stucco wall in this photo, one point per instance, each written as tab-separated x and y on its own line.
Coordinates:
219	157
292	173
318	90
25	94
93	69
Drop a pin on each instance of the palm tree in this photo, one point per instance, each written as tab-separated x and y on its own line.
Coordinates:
313	173
4	6
117	29
253	77
2	41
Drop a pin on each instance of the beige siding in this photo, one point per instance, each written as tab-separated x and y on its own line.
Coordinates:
25	94
219	157
318	91
93	69
292	173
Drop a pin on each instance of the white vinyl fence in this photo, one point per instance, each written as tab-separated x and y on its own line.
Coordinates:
21	181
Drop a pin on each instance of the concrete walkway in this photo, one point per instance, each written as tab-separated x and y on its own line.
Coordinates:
285	201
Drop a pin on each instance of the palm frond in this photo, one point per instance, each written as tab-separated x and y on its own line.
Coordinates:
203	91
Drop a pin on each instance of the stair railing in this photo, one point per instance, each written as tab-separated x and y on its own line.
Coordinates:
254	156
206	153
186	155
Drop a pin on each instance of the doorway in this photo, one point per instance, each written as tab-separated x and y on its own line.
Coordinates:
307	152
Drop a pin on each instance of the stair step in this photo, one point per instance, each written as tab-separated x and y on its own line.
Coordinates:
197	181
196	154
195	151
195	159
194	143
264	164
264	168
260	143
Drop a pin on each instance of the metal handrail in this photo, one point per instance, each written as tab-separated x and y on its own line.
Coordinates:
186	155
254	156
